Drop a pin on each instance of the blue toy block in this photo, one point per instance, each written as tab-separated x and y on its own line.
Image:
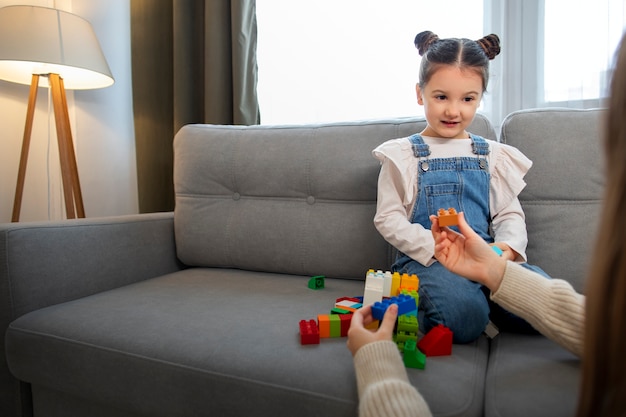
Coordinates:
406	304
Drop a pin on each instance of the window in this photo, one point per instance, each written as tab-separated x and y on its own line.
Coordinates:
344	60
332	60
578	50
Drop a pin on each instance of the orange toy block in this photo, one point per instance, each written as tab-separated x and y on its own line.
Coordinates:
448	217
323	323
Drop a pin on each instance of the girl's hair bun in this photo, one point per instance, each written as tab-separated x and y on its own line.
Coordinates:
491	45
424	40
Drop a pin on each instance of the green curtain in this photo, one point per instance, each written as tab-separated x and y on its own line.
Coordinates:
194	61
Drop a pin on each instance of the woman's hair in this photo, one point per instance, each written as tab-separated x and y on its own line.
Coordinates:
603	390
461	52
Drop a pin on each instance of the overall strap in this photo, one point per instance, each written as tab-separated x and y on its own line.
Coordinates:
420	149
479	145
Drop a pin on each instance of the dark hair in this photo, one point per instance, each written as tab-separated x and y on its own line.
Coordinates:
462	52
603	389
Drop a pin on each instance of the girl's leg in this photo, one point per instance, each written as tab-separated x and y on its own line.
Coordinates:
448	299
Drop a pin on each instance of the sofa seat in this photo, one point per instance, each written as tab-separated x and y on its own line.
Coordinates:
548	375
122	349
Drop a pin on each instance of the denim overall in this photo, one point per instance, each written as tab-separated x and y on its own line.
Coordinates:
463	184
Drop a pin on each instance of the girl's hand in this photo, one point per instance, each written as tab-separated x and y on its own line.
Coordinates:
507	253
467	254
359	336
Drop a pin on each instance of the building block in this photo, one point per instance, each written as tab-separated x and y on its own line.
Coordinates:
497	250
323	323
412	357
374	284
316	282
447	217
335	325
346	319
437	342
349	304
340	310
409	282
408	324
395	284
406	304
309	333
387	284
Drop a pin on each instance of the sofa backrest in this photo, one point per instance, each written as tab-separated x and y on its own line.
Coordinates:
562	199
287	199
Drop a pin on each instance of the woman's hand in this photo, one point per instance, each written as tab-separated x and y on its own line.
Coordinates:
467	254
359	336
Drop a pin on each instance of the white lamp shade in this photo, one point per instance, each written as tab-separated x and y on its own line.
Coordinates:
40	40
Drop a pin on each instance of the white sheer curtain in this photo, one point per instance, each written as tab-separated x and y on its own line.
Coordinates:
354	59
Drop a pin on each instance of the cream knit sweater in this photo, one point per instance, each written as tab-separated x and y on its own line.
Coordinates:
553	307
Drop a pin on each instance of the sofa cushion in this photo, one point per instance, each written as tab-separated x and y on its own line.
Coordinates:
562	200
214	342
546	374
289	199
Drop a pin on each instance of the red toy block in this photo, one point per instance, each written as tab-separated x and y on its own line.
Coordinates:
346	319
448	217
437	342
309	333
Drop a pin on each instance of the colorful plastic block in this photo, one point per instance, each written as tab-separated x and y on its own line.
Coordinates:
374	284
412	357
409	282
437	342
349	304
316	282
406	304
346	319
335	325
323	323
309	333
395	284
408	324
448	217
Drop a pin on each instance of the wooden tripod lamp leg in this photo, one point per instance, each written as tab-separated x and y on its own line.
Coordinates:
78	195
28	128
62	133
69	170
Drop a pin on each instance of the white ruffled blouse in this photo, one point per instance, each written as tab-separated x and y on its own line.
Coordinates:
397	192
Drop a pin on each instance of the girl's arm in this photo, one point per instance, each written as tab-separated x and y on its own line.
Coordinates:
392	216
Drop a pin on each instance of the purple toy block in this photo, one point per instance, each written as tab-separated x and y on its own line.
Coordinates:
405	303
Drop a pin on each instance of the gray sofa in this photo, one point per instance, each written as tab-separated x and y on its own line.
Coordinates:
195	313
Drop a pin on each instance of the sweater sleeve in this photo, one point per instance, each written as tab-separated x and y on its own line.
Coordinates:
552	306
383	384
397	189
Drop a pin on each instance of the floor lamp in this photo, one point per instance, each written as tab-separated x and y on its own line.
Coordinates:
41	46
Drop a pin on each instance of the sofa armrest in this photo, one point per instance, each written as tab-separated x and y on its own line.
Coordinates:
42	264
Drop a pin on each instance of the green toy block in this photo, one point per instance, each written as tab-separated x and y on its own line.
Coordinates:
335	325
316	282
408	324
412	356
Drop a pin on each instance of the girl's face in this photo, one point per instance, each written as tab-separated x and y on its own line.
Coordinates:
450	101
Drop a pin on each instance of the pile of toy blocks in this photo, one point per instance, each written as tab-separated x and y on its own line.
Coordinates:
381	290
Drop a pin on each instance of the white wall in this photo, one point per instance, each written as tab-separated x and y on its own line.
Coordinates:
102	128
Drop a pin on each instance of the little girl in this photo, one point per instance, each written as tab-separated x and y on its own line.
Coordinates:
444	166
